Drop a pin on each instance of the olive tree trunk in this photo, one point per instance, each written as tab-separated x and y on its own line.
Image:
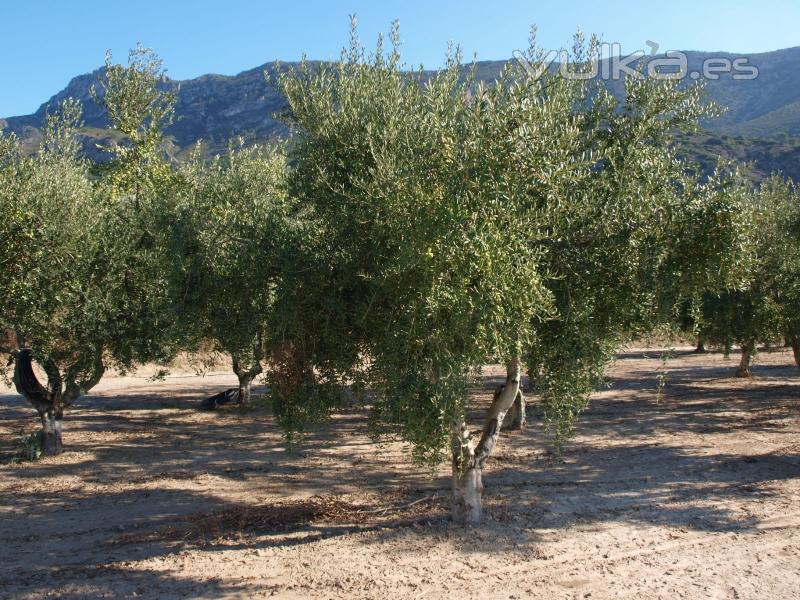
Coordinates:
515	419
746	360
469	458
701	346
245	374
51	401
244	390
795	344
52	442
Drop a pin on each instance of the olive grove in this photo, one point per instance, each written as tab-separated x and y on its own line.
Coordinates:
764	307
415	228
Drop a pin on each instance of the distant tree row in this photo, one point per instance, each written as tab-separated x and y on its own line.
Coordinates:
765	306
413	230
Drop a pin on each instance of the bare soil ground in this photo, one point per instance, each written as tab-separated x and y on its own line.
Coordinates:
693	496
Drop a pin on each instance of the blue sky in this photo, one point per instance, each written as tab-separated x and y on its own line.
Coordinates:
44	43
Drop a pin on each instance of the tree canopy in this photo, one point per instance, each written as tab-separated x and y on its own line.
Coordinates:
85	288
229	236
535	219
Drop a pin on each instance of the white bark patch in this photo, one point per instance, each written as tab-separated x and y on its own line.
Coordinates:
745	362
468	496
51	436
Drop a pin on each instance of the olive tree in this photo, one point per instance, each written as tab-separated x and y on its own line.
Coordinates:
461	223
229	234
432	258
53	204
85	290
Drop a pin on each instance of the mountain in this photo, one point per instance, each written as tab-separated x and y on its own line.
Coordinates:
214	108
773	98
762	124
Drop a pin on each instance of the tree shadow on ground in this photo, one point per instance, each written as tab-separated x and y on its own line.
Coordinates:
623	467
79	582
122	537
652	460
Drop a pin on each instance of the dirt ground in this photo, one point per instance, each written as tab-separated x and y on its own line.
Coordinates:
693	495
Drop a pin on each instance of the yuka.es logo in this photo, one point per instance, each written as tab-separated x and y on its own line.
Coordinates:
613	65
